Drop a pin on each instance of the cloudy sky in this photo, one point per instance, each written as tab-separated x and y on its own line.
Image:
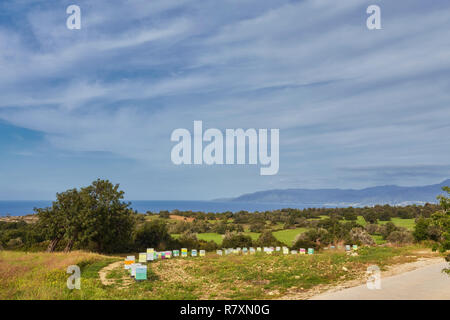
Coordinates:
355	107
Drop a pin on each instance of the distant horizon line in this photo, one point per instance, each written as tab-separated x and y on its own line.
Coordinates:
224	199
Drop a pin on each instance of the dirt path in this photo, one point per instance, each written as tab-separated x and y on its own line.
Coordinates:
103	273
420	280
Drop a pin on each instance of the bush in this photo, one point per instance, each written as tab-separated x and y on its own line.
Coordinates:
421	229
153	234
188	240
257	227
387	229
234	240
267	239
372	228
220	228
207	245
179	227
360	236
400	237
14	243
312	239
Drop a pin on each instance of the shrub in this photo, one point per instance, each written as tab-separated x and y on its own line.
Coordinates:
188	240
207	245
360	236
14	243
179	227
400	237
234	240
387	229
220	228
421	229
257	227
372	228
311	239
267	239
152	234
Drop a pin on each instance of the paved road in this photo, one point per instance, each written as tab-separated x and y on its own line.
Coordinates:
421	284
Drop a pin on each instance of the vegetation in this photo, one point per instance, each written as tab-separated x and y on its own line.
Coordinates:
437	227
92	218
260	276
95	218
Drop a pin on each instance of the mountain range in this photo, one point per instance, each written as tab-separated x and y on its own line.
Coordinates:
389	194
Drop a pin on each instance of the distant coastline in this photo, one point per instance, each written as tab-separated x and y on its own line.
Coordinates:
22	208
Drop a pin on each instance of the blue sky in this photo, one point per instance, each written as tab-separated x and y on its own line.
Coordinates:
355	108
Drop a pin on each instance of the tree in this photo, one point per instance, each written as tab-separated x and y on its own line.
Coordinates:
421	229
371	217
437	227
441	220
361	236
387	229
350	214
257	227
267	239
400	237
93	217
234	240
314	238
152	234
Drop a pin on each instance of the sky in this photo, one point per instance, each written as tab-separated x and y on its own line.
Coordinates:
355	107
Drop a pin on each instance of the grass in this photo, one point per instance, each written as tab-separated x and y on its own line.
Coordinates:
288	236
404	223
253	235
285	236
260	276
360	220
43	275
216	237
378	239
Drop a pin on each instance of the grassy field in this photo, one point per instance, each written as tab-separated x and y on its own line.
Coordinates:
405	223
285	236
289	235
261	276
43	275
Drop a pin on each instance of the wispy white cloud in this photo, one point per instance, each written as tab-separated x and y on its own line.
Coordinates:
342	95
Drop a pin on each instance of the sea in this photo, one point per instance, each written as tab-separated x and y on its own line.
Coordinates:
21	208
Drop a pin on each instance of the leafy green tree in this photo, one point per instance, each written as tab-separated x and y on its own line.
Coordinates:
153	234
371	217
234	240
267	239
257	227
387	229
421	229
441	220
94	217
350	214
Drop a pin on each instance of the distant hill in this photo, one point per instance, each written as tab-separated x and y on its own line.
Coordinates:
390	194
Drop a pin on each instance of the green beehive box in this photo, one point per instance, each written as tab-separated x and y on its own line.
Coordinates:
141	273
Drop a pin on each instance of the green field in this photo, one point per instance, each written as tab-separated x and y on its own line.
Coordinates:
43	275
285	236
289	235
404	223
217	238
378	239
